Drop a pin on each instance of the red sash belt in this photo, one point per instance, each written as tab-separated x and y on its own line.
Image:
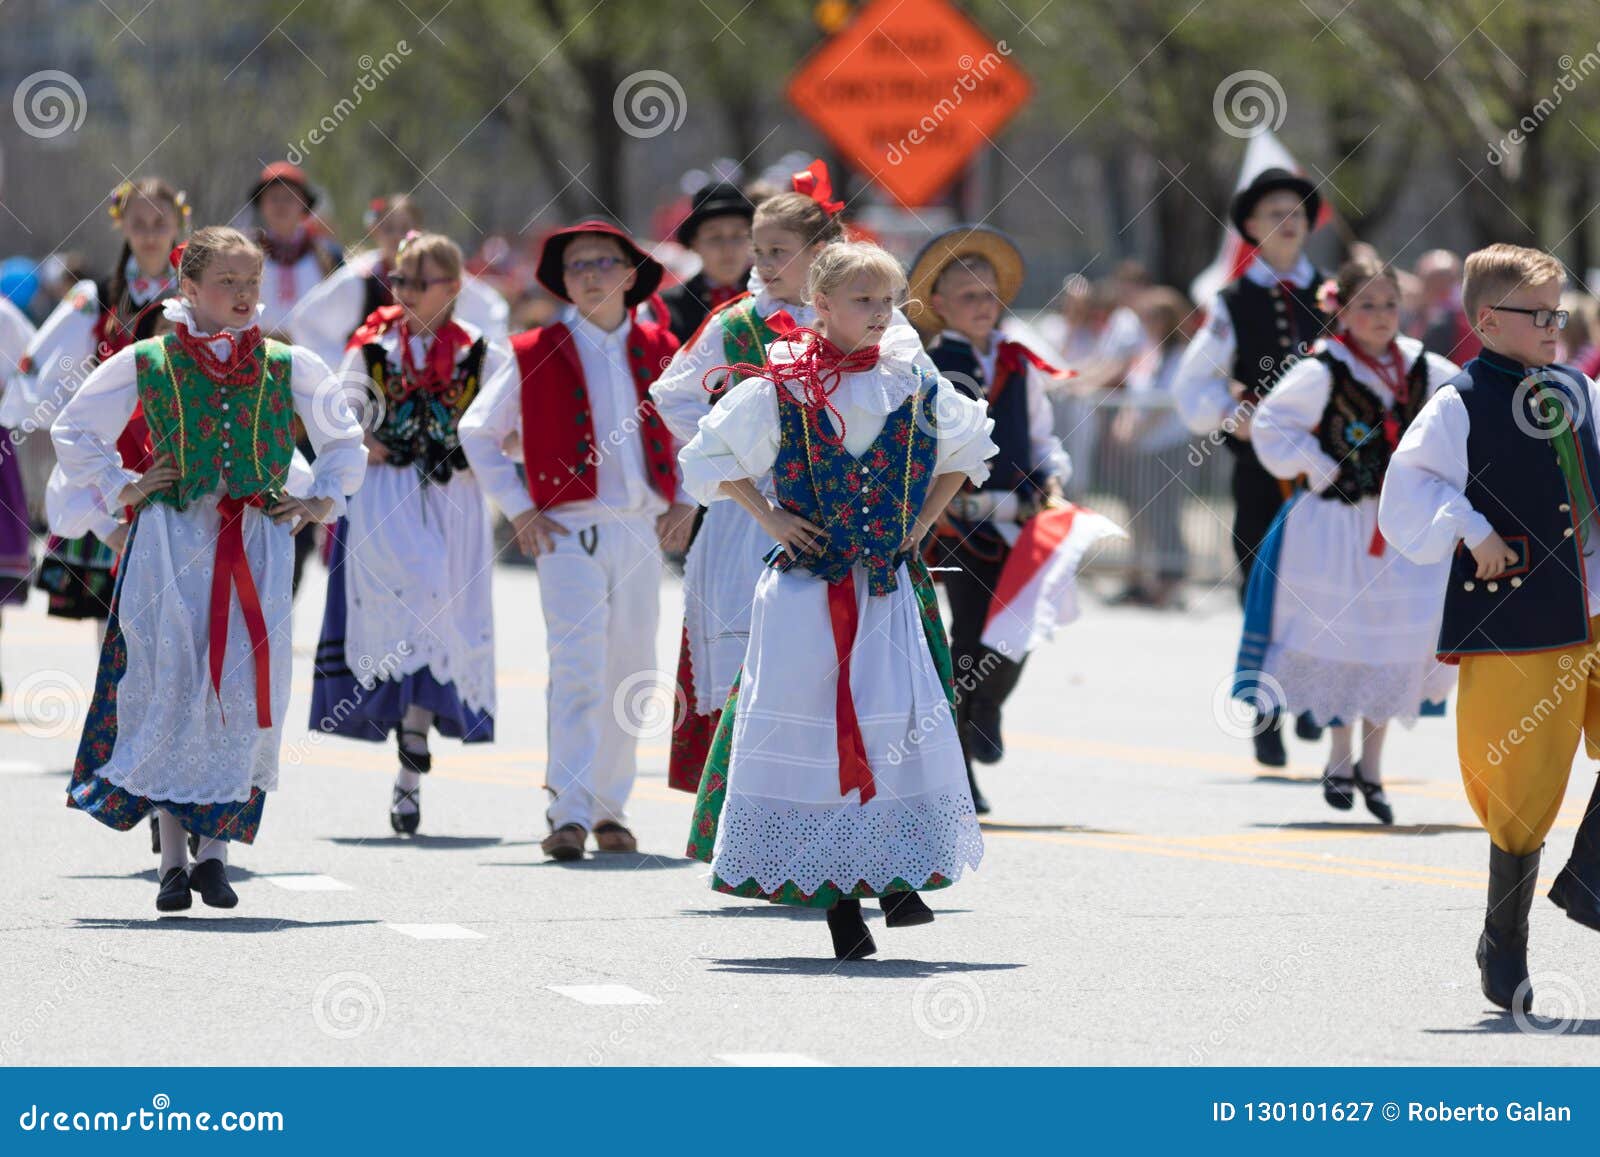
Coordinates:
232	572
854	772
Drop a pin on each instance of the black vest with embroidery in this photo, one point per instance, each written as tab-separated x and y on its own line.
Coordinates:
1271	329
1351	431
1515	481
419	428
1012	467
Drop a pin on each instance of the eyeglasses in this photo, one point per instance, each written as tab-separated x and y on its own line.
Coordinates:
1542	318
594	265
421	284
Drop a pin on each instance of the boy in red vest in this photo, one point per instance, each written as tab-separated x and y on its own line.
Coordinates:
598	508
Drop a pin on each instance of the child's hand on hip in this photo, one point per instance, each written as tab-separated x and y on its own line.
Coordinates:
795	534
163	473
1493	556
307	510
535	531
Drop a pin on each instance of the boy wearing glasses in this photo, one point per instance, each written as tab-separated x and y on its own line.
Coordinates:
1498	472
598	507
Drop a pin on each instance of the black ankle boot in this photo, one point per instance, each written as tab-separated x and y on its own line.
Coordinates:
1577	887
851	940
1503	947
174	894
904	909
1268	738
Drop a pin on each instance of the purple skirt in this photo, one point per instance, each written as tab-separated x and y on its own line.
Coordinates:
16	541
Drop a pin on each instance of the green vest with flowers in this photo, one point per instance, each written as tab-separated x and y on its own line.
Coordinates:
237	437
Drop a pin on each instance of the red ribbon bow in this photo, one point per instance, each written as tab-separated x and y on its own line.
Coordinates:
176	256
232	572
814	182
818	368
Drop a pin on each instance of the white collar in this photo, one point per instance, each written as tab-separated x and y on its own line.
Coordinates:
1263	274
591	333
767	305
881	390
177	310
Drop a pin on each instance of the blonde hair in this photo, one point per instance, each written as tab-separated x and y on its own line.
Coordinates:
1493	274
800	215
206	244
435	247
842	260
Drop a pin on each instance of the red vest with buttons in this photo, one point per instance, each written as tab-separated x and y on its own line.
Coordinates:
558	441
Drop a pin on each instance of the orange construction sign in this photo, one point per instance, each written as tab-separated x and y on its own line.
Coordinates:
908	91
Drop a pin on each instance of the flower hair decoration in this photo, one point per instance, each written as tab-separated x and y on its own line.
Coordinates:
1328	296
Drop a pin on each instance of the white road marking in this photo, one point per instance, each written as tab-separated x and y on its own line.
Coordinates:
436	931
603	994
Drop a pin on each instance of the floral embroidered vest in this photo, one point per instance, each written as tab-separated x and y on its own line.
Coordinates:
238	437
419	429
1352	428
867	505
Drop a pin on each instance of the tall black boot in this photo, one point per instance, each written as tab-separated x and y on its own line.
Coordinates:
1577	888
1503	947
1267	735
851	940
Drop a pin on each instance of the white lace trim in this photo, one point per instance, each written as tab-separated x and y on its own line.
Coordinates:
1377	692
774	842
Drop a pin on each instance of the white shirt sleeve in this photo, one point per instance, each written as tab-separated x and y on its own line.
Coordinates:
1281	430
1201	385
1423	509
86	484
16	332
483	306
964	428
325	318
1049	455
737	439
58	356
680	397
495	415
335	434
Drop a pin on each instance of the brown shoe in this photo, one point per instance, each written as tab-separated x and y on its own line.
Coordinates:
565	843
610	836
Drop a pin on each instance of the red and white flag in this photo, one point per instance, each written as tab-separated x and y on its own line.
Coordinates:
1038	588
1265	151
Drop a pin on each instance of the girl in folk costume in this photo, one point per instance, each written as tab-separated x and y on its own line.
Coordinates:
1338	625
408	633
96	320
844	776
299	251
191	691
16	554
330	313
725	556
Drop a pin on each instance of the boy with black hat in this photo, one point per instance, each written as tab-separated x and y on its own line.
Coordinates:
597	509
960	284
718	230
1259	324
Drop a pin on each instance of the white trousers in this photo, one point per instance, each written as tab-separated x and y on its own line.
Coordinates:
601	594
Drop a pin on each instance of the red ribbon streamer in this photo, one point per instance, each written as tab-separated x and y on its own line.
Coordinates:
854	771
232	572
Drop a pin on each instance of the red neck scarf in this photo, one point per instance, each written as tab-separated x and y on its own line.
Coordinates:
241	364
818	369
438	368
286	252
1391	371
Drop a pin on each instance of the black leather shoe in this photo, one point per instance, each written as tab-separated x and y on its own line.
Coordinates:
210	879
174	895
1577	888
851	940
1268	738
1307	728
1503	947
1377	802
904	910
1338	790
979	804
406	823
417	761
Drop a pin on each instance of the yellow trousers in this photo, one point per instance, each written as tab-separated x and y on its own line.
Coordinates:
1518	722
